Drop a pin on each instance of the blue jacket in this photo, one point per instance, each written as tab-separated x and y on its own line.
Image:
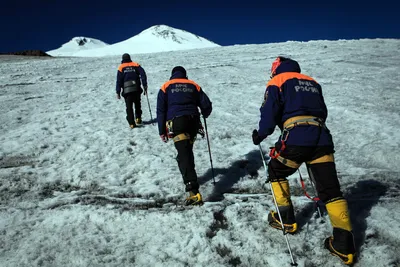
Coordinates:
291	94
180	96
130	71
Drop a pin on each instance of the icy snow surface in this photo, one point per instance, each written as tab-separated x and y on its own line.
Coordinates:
78	187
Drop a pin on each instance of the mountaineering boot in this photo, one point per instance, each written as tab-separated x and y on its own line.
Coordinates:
281	191
288	218
138	120
341	243
194	199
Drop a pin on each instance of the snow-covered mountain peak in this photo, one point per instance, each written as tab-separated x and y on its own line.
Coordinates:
86	41
169	33
77	44
158	38
158	29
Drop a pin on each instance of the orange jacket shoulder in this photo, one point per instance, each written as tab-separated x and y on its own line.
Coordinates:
174	81
280	79
128	64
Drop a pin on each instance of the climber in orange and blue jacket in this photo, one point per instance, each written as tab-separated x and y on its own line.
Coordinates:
178	103
130	78
294	102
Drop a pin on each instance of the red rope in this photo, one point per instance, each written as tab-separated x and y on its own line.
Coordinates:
316	199
273	150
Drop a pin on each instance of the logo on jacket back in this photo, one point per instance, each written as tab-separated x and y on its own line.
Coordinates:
182	88
306	86
129	69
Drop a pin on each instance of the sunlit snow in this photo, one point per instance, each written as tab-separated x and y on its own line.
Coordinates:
78	187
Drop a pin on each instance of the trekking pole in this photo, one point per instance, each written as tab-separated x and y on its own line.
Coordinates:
311	176
293	263
209	150
151	116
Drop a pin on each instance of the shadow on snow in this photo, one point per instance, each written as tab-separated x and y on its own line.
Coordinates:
228	177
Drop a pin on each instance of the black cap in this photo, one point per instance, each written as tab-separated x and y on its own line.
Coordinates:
180	69
126	56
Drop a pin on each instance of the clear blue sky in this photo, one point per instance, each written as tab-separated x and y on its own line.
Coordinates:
47	24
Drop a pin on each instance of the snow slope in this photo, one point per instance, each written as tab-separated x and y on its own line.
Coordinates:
79	188
158	38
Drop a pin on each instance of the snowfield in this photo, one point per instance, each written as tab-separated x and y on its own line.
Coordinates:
78	187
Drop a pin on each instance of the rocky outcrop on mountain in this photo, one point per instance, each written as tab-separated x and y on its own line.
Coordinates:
37	53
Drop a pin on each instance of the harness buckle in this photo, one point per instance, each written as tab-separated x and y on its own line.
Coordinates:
169	128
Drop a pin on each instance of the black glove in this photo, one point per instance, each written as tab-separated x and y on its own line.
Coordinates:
256	138
145	90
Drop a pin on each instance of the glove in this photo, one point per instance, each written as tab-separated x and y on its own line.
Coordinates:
145	90
256	138
118	96
201	131
164	138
